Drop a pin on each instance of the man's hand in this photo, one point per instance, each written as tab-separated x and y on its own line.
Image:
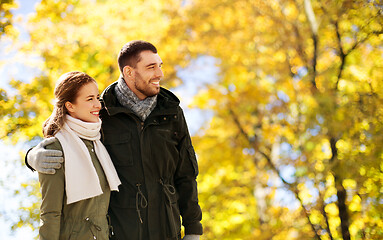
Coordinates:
45	160
191	237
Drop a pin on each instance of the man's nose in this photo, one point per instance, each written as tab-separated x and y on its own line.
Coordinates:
159	73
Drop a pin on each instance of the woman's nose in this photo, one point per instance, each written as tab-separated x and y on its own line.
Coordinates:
97	104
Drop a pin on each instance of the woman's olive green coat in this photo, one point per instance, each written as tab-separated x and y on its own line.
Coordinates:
82	220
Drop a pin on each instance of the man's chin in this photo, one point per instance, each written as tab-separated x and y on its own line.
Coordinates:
150	92
157	91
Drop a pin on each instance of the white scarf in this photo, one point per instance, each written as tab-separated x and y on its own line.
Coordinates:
81	180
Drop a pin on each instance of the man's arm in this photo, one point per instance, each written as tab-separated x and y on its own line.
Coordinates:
186	184
44	160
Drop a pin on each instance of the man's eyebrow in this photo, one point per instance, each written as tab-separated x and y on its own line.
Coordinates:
153	64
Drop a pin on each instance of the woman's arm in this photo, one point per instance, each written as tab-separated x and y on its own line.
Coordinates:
52	191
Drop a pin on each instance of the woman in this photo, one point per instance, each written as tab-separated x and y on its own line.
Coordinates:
75	200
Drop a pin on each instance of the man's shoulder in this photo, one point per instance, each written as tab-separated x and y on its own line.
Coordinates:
107	97
108	91
168	95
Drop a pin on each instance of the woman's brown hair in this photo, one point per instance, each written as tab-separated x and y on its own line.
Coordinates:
66	90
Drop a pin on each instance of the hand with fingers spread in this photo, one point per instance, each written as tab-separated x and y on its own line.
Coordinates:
45	160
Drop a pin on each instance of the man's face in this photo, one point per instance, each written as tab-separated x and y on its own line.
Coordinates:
146	76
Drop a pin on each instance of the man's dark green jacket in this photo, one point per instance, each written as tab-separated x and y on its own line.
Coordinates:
157	166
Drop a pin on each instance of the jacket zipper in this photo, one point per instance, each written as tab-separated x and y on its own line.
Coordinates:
98	228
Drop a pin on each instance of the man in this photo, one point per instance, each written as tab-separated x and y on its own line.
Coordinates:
145	133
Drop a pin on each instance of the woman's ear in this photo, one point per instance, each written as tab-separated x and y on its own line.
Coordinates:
69	107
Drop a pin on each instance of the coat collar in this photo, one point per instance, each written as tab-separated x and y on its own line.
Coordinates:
167	102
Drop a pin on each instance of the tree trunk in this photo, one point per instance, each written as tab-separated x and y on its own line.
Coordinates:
343	212
341	194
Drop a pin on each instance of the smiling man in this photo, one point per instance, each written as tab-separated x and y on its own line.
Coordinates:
145	133
144	77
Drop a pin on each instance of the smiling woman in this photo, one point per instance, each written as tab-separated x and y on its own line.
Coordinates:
77	95
75	199
87	105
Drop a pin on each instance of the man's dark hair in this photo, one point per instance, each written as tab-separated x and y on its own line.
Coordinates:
130	53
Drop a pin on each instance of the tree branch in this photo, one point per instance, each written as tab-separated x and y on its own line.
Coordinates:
342	55
323	205
314	34
290	186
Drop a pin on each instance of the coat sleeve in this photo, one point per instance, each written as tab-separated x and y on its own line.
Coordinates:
26	160
52	192
186	183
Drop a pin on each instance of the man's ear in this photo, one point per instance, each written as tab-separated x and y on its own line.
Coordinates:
69	106
128	71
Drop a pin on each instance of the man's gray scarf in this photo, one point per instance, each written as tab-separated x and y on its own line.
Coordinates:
142	108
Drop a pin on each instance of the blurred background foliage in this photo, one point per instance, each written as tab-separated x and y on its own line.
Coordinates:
293	149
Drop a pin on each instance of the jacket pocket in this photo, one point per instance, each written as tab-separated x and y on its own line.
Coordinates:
193	159
168	135
119	147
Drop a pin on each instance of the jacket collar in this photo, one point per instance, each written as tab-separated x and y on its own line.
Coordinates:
167	102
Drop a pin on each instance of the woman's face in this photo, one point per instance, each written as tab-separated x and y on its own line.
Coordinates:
86	106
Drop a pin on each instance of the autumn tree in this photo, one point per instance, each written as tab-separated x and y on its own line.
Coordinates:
6	17
6	30
294	147
299	92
